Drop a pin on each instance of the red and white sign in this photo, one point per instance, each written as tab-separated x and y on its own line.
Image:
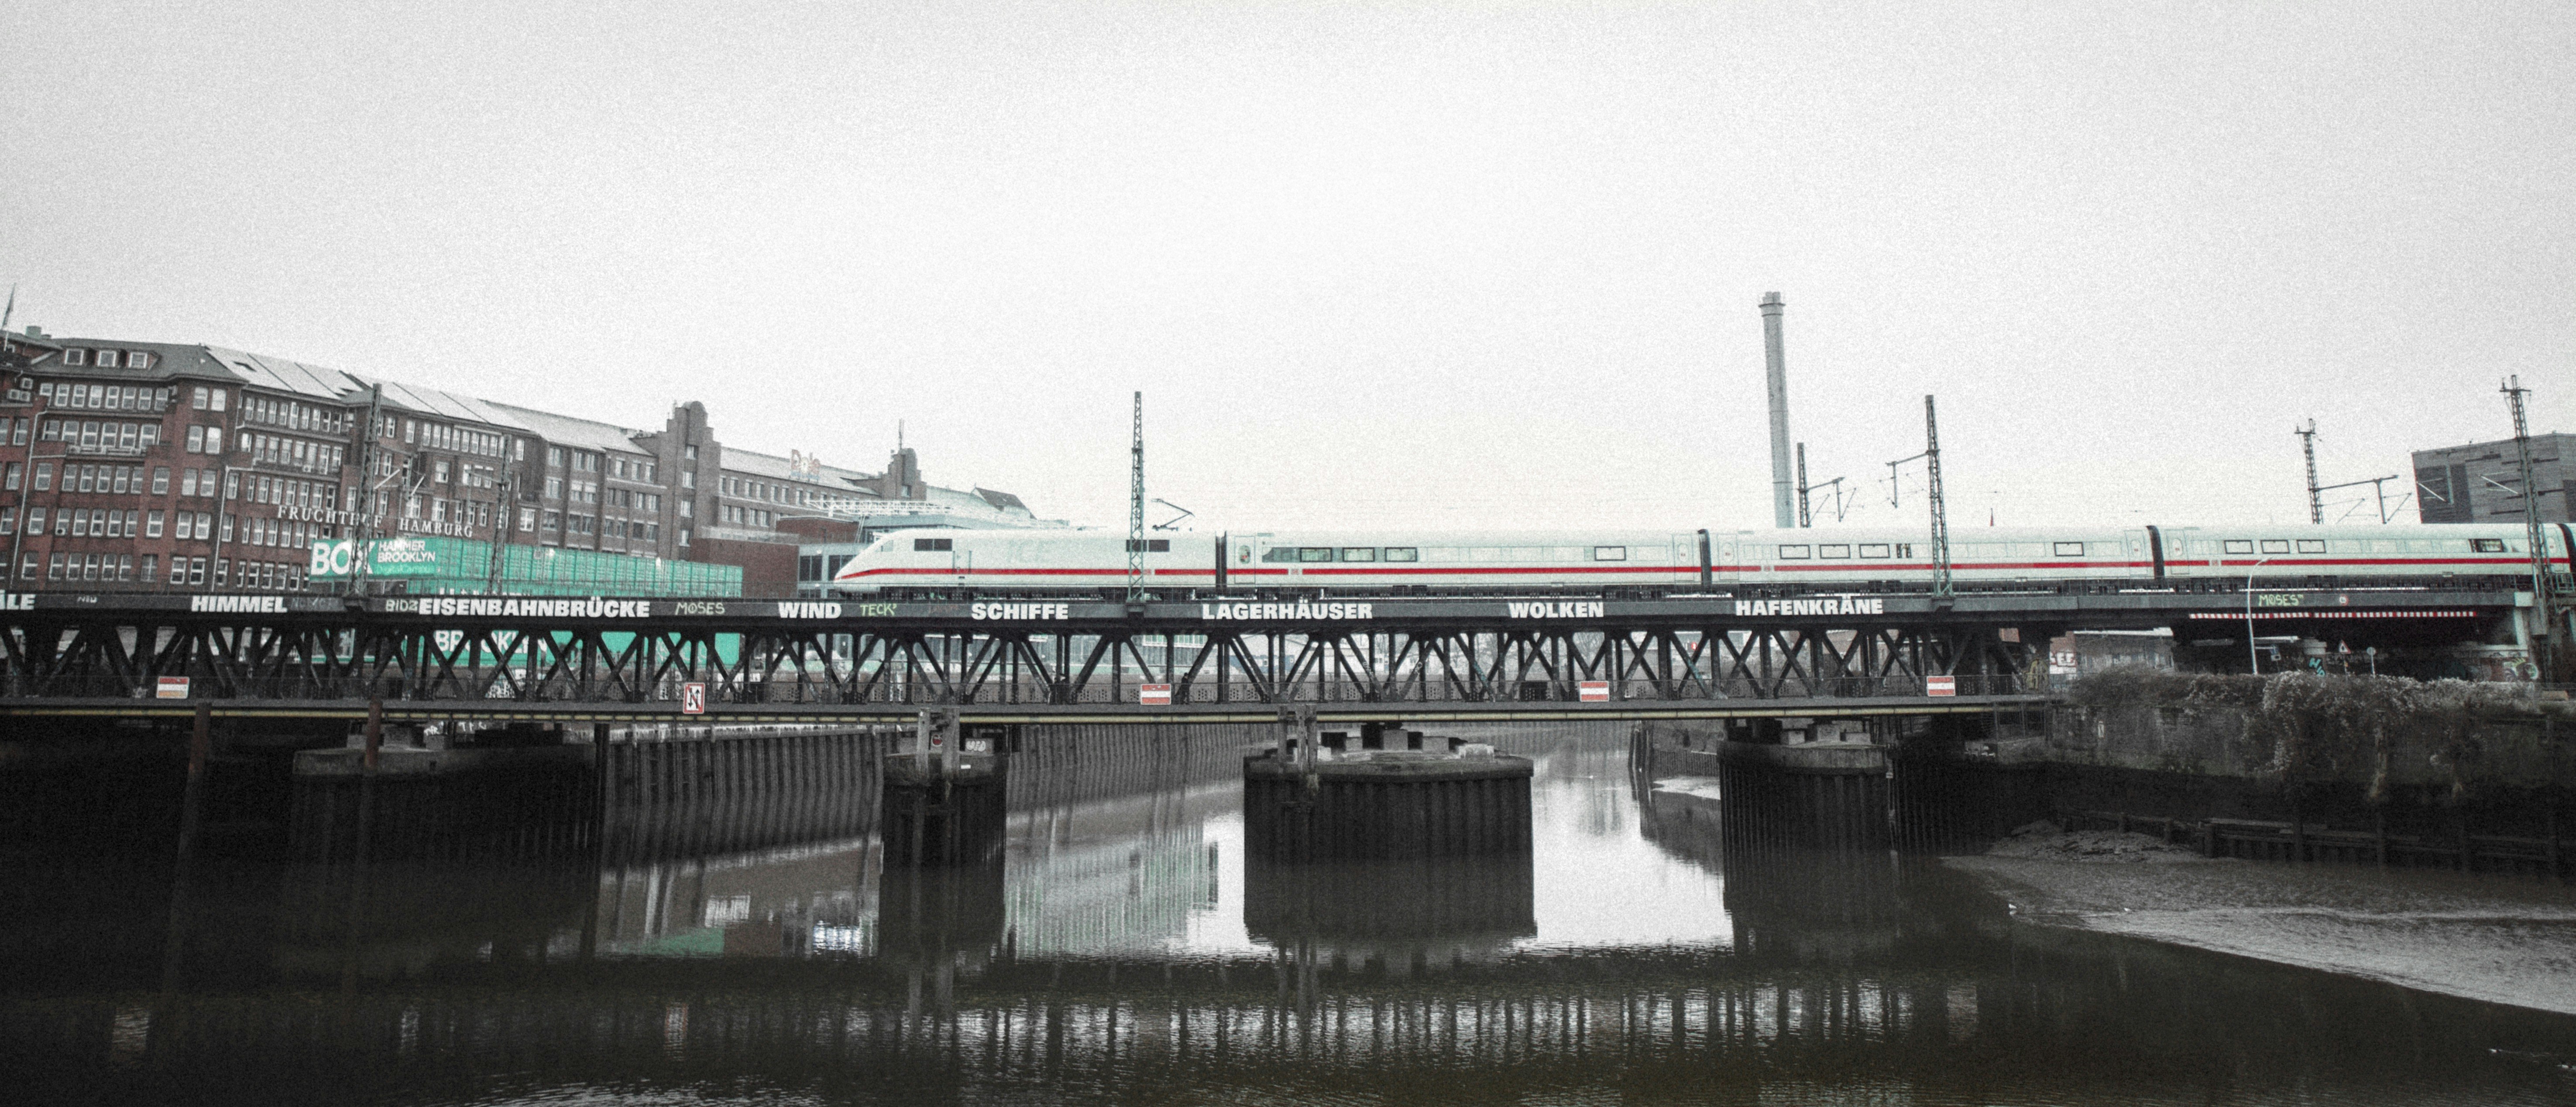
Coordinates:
1940	686
693	698
1593	691
1154	695
170	688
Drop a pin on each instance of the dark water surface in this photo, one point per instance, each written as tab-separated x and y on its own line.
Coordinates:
1121	951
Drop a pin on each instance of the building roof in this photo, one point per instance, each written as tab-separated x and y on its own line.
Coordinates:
281	375
566	430
774	467
1002	500
168	360
431	401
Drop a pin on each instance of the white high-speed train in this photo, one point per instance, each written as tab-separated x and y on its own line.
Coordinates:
1648	563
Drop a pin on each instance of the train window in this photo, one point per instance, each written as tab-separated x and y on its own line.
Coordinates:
2240	545
1314	553
1276	554
2070	549
1609	553
1793	553
925	545
2276	545
2312	545
2486	545
1833	551
1359	553
1905	549
1403	553
1149	545
1873	549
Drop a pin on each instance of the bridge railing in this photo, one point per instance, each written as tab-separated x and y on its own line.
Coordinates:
492	687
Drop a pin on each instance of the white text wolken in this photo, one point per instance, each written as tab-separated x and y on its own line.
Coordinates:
1557	609
1829	605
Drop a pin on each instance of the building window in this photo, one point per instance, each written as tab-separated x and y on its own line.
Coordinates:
218	397
152	524
684	537
44	475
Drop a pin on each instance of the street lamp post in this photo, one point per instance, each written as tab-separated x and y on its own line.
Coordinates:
2253	661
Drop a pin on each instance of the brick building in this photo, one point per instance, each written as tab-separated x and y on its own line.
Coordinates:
2482	481
138	466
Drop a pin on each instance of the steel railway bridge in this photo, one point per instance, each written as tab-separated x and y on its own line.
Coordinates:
641	659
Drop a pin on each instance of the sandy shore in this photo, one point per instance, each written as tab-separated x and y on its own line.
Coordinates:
2491	938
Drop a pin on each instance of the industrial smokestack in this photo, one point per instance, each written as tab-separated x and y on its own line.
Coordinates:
1783	491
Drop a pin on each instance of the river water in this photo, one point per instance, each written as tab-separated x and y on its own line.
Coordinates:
1122	952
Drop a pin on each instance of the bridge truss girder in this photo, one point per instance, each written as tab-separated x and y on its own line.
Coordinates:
319	660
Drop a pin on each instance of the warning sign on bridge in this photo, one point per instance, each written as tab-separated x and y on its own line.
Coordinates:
1154	695
170	688
1593	691
693	698
1940	686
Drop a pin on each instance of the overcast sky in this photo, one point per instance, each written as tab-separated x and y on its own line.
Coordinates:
1468	265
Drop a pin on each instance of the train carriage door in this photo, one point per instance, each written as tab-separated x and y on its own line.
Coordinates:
1685	554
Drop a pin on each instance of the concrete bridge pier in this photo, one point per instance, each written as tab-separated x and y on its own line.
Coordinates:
1312	800
1834	796
943	806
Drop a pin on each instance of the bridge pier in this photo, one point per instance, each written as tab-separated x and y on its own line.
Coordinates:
1307	801
943	806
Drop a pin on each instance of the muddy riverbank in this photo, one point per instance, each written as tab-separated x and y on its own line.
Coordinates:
2489	938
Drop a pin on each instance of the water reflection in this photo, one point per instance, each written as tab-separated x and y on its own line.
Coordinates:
1119	949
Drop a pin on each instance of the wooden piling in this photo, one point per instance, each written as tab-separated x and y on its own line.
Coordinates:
192	811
